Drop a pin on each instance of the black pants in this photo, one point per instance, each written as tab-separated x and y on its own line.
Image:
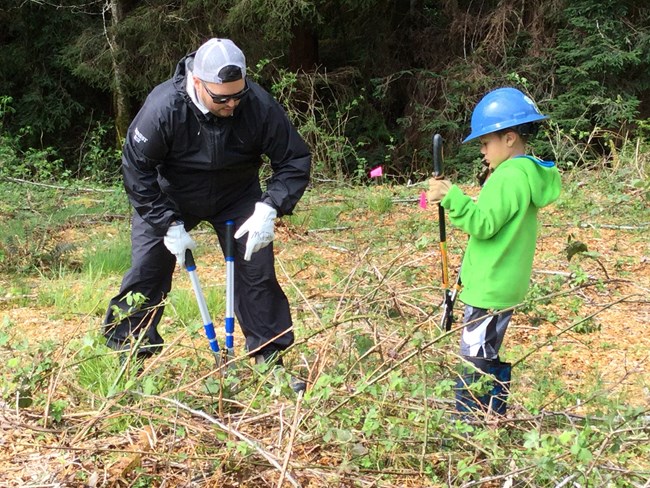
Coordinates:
261	307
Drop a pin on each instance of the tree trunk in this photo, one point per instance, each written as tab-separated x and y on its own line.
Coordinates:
303	50
121	103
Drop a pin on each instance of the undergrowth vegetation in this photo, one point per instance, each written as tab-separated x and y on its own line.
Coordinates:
361	268
366	82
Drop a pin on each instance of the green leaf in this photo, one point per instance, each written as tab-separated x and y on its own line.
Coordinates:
573	248
531	439
565	437
344	435
363	343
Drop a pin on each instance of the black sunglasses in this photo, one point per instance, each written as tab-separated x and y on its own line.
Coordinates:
224	98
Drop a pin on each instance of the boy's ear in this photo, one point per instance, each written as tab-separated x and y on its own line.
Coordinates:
511	138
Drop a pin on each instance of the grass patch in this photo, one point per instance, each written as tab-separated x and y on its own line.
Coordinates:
74	293
105	257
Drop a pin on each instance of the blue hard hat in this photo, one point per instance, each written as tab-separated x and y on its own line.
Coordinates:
500	109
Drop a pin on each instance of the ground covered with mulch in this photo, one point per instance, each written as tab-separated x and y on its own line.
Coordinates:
363	287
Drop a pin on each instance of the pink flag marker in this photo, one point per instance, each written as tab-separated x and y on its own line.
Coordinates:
376	172
423	199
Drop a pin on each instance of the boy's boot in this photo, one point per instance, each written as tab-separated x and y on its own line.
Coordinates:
496	398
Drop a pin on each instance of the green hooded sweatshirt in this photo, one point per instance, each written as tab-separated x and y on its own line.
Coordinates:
502	225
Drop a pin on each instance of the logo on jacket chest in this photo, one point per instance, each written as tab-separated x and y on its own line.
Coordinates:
138	136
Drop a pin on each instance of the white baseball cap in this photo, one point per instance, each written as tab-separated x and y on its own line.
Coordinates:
213	56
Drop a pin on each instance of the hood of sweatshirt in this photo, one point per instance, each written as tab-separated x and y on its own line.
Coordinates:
543	178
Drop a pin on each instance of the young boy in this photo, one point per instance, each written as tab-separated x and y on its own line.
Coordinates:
502	225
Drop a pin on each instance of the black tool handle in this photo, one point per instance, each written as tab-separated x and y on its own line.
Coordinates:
437	156
229	250
438	173
189	260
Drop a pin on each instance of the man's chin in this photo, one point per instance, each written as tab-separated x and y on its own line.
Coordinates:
224	113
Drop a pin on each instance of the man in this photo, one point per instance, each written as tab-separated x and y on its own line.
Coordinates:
193	154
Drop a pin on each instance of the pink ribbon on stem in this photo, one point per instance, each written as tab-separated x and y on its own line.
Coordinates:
423	200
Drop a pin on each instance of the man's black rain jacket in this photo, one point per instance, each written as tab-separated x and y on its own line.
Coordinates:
178	161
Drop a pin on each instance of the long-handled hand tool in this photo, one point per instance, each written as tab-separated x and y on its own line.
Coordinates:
230	289
190	266
449	298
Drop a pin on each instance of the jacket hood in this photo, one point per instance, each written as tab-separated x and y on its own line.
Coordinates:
543	178
180	74
180	82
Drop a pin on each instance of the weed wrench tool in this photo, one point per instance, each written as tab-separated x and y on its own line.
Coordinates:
208	326
230	289
449	298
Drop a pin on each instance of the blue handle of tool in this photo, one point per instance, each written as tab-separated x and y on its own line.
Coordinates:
229	253
208	326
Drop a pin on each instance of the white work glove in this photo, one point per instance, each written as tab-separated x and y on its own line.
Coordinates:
437	189
177	240
260	228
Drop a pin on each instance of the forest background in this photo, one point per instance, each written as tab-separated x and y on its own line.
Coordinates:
366	83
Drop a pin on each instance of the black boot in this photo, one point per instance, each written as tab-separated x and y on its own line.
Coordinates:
143	351
273	358
496	398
